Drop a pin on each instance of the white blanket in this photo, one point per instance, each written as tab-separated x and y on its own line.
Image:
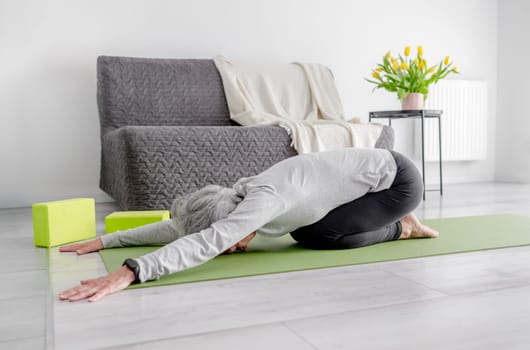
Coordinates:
299	97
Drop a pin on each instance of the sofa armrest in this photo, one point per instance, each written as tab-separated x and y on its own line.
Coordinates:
146	167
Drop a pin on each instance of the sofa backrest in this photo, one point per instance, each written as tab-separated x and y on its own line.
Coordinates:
149	91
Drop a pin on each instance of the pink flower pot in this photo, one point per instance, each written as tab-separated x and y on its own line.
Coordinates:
413	100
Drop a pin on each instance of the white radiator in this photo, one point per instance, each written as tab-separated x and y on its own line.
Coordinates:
464	121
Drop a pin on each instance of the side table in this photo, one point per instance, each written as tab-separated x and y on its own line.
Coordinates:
422	114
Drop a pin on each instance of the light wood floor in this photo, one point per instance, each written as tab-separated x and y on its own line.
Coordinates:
477	300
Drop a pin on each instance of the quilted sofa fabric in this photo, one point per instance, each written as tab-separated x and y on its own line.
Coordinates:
166	131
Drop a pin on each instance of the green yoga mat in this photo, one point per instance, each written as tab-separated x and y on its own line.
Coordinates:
272	255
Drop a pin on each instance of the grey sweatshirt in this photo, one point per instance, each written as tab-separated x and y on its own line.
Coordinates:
295	192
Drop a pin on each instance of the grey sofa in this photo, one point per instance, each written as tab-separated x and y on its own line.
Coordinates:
166	131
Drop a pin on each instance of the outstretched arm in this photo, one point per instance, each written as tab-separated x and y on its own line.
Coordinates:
256	209
161	233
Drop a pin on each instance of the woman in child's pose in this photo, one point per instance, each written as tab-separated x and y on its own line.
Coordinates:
339	199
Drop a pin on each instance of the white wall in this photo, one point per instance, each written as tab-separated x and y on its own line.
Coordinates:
513	126
49	129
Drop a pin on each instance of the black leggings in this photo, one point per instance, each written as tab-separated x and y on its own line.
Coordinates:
371	219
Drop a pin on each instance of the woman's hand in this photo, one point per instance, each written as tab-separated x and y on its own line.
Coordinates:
83	248
97	288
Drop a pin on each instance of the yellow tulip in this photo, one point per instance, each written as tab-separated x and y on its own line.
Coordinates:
420	50
379	69
376	75
388	55
432	69
422	64
416	62
395	65
404	65
407	51
455	70
447	60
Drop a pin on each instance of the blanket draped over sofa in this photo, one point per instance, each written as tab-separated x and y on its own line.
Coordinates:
300	97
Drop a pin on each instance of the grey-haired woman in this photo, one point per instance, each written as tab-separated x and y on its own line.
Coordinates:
339	199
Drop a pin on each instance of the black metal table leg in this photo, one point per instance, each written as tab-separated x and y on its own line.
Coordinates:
423	151
423	114
440	152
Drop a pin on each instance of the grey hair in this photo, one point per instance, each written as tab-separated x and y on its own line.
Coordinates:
196	211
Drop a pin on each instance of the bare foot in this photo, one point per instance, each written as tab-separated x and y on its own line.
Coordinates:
411	227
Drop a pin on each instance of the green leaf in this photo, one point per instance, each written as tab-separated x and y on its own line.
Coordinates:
393	76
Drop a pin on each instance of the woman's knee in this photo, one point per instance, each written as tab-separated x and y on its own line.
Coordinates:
408	181
325	243
304	242
314	240
415	189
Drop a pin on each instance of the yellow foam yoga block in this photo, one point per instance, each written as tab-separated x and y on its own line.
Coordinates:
60	222
124	220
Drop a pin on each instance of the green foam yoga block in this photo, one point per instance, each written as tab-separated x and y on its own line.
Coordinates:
60	222
124	220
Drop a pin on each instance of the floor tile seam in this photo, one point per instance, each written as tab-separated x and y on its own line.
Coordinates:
24	249
299	336
448	293
17	339
283	322
22	298
419	301
79	266
51	299
230	329
17	271
372	308
43	269
492	290
41	294
49	316
444	294
73	270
